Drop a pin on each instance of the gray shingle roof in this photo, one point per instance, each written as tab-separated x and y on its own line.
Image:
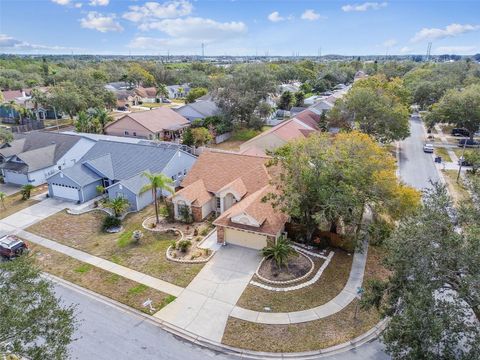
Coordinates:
206	108
135	183
81	174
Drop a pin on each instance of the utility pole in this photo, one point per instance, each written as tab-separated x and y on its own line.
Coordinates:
462	158
429	49
203	50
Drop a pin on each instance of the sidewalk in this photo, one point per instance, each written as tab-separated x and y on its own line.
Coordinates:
123	271
345	297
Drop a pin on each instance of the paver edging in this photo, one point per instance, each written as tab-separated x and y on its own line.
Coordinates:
186	261
226	349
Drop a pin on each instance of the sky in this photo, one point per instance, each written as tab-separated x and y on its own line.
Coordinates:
239	27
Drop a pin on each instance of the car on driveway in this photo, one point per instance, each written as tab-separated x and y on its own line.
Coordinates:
463	162
468	143
428	148
460	132
12	247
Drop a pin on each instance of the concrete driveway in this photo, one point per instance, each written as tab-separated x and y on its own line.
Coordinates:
204	306
10	189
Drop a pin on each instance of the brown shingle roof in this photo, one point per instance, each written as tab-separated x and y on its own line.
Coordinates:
271	220
156	120
196	193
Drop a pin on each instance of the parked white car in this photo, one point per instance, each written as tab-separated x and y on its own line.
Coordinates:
428	148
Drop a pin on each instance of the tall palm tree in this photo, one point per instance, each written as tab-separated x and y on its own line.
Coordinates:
162	91
157	182
27	191
119	205
103	118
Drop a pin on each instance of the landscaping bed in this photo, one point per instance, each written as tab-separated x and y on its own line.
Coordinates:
14	203
313	335
298	266
84	232
332	281
111	285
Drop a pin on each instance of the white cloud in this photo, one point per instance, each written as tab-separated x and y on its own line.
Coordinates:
197	28
449	31
61	2
389	43
405	50
364	7
100	22
275	17
78	5
310	15
455	50
10	43
98	2
154	11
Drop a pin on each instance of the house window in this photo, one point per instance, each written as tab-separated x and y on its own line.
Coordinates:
219	202
174	177
179	174
184	171
134	133
125	132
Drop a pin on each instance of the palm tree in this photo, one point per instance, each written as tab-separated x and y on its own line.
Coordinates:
279	252
27	191
119	205
162	91
103	118
2	198
157	182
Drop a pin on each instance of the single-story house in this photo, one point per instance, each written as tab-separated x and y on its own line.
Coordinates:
118	167
296	110
161	123
178	91
232	186
198	110
146	94
34	156
323	106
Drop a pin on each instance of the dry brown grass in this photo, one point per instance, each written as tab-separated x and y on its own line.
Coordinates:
457	190
118	288
331	282
312	335
84	232
14	203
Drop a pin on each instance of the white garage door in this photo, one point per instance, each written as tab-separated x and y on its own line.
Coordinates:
246	239
65	192
15	178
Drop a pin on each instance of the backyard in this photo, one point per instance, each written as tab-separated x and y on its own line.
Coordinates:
84	232
312	335
238	138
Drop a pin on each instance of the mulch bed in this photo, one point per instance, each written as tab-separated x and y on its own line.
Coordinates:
298	265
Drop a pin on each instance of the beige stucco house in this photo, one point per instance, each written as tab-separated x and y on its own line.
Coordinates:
161	123
231	186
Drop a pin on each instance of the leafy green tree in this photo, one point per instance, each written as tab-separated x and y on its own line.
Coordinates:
195	93
187	137
102	118
473	157
299	98
6	136
279	252
118	205
26	191
432	296
34	323
158	183
460	108
286	100
139	76
201	136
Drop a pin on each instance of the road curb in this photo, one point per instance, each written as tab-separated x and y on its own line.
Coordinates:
225	349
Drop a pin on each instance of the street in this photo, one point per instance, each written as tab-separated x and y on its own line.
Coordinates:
416	167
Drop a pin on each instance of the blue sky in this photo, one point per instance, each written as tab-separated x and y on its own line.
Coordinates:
239	27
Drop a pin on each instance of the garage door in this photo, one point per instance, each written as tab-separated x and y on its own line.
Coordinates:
65	192
246	239
15	178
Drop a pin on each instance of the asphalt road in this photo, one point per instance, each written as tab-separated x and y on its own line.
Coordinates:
416	167
107	332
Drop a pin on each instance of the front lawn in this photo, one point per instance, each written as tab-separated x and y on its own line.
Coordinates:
312	335
84	232
457	190
118	288
332	281
14	203
443	153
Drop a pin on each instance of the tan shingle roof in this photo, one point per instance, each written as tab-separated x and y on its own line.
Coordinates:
196	193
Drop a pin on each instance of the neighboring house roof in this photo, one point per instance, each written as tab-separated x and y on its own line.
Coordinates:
149	92
218	169
297	109
254	151
13	95
156	120
206	97
321	106
309	118
102	165
40	149
205	108
271	221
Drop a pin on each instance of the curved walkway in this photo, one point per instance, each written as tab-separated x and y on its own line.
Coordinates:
345	297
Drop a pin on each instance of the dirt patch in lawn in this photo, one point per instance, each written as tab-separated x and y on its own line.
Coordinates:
14	203
298	265
118	288
332	281
313	335
84	232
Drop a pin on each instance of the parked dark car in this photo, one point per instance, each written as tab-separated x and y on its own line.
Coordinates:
468	143
463	162
11	247
460	132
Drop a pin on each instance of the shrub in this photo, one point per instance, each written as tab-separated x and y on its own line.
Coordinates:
195	232
279	252
184	245
174	245
198	238
111	222
378	231
185	214
26	191
204	231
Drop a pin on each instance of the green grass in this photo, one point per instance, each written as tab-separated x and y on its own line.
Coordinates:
168	299
82	269
244	134
125	239
138	289
443	153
